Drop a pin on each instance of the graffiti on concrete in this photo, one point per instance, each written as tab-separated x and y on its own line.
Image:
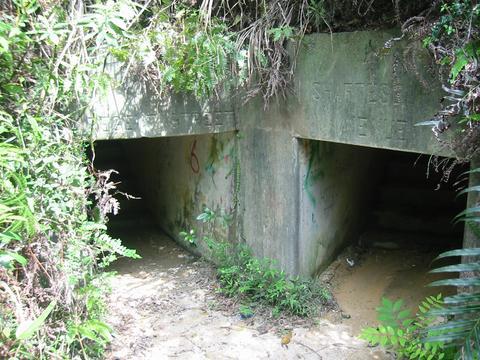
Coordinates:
194	163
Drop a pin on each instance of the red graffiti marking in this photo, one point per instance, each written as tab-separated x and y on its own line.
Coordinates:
194	163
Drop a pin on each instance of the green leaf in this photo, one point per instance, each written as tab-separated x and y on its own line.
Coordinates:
91	328
456	310
469	189
461	298
457	268
4	45
119	22
403	314
397	305
458	325
460	62
459	252
87	332
457	282
7	257
468	212
26	329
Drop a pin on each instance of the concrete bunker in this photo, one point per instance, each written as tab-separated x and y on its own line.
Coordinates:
372	197
173	177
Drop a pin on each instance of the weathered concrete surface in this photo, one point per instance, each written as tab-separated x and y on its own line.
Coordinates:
336	184
350	91
294	208
347	90
301	208
301	200
179	176
269	201
136	110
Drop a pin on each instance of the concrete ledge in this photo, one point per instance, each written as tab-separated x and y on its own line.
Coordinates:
350	90
136	110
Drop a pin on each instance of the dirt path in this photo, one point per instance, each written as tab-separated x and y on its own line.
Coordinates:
164	306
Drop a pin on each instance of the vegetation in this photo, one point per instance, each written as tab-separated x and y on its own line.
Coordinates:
446	328
177	52
452	34
401	333
453	40
258	281
461	311
52	203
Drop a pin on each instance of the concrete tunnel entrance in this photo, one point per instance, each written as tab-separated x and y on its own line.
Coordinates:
133	210
353	194
381	202
388	213
349	194
172	179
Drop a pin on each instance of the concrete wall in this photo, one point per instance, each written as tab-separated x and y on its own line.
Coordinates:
350	90
300	201
137	110
178	176
347	90
336	186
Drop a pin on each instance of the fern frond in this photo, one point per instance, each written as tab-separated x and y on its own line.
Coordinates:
464	329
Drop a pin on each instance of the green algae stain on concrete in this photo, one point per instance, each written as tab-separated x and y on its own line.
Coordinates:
215	154
317	167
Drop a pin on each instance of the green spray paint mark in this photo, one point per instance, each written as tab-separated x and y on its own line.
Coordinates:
314	168
214	156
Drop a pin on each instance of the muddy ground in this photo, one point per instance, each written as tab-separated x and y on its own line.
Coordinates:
165	306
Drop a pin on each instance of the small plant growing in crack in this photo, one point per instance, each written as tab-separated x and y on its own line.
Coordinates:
190	237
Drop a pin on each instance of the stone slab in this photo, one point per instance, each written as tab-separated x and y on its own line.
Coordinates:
352	91
136	110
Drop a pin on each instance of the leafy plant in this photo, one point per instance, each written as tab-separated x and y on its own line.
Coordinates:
401	333
317	13
453	40
190	237
281	33
246	311
462	311
179	53
258	280
52	243
452	325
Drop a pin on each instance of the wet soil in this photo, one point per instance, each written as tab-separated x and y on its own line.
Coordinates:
165	306
376	273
